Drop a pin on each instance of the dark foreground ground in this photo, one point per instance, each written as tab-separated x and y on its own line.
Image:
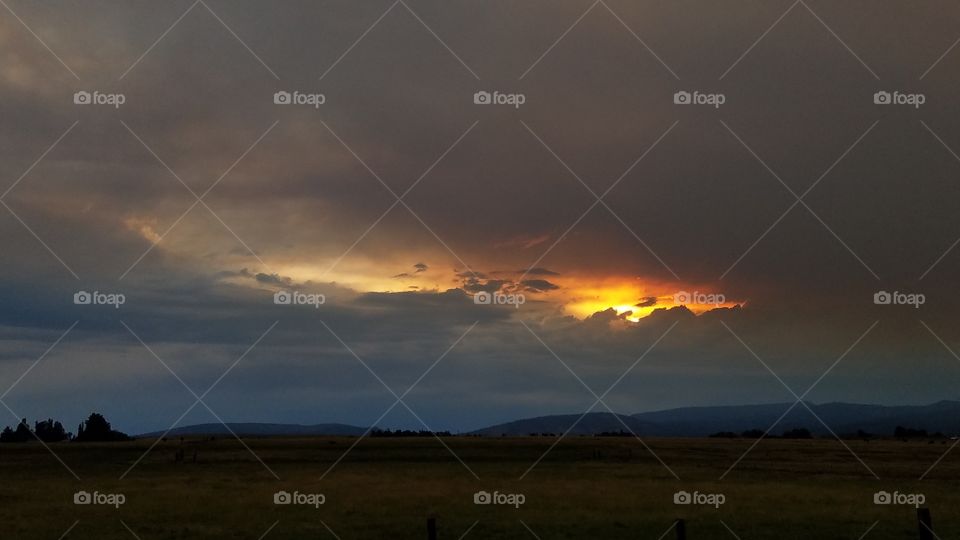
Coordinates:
386	488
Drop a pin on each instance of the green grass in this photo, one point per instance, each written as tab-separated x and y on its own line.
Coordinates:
386	488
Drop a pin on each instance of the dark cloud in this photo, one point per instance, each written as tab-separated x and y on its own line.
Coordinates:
647	302
538	285
699	204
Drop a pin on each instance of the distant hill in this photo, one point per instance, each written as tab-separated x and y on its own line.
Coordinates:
261	430
842	419
591	424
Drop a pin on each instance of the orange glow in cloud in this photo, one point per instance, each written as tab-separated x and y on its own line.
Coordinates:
584	297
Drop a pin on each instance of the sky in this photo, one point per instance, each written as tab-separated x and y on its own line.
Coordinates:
643	253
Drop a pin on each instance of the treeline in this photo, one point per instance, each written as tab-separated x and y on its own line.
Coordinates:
94	429
408	433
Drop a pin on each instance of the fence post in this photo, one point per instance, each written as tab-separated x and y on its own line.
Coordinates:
431	528
925	524
681	526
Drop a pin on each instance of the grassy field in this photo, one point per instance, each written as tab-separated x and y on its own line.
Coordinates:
386	488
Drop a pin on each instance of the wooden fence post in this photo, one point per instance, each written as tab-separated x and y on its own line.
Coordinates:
431	528
681	527
925	524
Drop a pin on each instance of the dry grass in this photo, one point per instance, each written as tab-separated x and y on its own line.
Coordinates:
385	488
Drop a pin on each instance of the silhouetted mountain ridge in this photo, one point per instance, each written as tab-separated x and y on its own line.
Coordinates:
840	418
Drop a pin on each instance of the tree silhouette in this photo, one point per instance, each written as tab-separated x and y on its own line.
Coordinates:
50	431
96	428
21	434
